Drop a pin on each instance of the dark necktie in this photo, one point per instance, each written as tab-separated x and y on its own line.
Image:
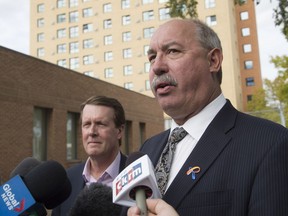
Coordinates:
162	169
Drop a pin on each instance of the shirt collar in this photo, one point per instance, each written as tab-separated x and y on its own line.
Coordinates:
111	171
196	125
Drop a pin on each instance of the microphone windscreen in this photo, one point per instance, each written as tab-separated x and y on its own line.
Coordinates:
132	157
61	196
45	180
96	200
24	167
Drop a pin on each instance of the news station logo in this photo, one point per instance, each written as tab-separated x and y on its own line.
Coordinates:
9	199
128	177
15	197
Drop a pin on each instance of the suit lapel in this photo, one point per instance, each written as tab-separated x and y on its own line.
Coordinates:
208	148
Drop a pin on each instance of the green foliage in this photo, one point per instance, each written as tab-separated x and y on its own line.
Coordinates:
267	102
183	8
281	17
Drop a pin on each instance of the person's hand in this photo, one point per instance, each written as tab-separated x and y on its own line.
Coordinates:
155	207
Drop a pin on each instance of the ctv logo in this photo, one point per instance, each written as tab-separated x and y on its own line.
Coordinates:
128	177
9	199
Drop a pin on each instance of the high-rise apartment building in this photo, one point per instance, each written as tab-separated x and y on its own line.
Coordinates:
108	40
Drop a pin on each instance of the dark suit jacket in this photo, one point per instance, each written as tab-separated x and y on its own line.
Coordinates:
75	176
244	168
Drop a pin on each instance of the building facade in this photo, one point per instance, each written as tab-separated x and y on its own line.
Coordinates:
40	109
108	40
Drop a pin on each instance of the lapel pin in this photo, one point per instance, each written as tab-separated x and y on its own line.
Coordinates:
193	171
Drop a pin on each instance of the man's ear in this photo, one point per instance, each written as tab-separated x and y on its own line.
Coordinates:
215	59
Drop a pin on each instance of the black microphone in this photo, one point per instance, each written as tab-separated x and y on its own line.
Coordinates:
136	182
96	200
24	167
46	183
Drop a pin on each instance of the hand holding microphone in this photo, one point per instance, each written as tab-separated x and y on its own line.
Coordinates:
136	183
156	207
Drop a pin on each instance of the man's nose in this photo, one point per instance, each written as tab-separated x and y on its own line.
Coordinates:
159	65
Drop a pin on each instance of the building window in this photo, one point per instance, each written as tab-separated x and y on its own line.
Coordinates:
61	33
74	47
87	27
89	73
210	3
61	3
107	23
147	85
247	48
126	20
40	8
128	85
250	81
148	32
245	32
74	31
248	64
71	137
74	63
146	48
146	67
88	43
61	18
88	59
108	39
249	97
244	15
147	1
73	3
127	70
148	15
126	36
125	4
40	37
87	12
73	16
40	52
107	8
40	125
61	48
108	72
62	63
211	20
108	56
164	13
40	22
127	53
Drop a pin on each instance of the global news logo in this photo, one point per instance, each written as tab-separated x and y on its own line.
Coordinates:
10	200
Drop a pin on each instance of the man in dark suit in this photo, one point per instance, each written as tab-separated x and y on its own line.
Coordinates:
102	123
229	163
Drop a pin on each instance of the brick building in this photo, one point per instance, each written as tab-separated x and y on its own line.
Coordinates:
40	105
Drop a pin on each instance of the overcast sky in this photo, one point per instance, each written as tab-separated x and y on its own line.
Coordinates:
14	25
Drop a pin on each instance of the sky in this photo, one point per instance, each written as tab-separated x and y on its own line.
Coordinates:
14	25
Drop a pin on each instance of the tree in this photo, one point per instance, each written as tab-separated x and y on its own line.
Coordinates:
182	8
188	8
272	101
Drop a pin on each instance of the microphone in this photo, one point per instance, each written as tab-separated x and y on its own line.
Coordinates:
136	182
41	184
25	166
96	200
22	169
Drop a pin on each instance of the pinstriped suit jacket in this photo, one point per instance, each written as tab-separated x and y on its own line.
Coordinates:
244	168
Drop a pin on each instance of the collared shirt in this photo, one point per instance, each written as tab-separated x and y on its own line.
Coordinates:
195	127
107	176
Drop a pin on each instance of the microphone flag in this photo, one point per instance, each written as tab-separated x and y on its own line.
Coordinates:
15	197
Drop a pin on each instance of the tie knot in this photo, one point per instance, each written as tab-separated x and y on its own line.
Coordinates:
178	134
